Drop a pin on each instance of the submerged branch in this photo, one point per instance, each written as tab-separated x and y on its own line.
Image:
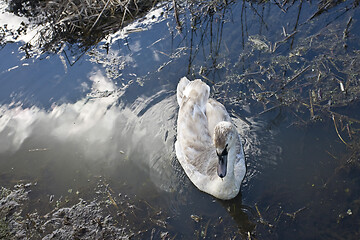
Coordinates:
337	131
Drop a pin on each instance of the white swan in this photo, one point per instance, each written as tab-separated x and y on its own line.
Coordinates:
208	146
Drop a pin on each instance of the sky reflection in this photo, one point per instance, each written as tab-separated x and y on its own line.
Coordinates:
97	127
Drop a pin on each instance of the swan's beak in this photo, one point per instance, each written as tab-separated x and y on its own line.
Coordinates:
222	166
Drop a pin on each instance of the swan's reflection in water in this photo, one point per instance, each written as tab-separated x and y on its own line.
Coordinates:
66	146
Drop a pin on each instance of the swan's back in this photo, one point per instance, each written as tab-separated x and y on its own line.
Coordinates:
194	141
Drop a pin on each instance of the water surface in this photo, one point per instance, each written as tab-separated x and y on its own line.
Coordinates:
100	125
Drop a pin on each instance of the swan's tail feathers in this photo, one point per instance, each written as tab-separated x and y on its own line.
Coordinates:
180	89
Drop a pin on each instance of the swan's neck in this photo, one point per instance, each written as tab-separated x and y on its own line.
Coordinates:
232	155
231	162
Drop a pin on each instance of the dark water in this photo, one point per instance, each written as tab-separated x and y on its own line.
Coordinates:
104	127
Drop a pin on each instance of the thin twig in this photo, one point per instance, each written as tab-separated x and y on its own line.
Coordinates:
261	218
261	18
176	15
97	19
292	79
320	10
333	117
268	110
293	215
346	31
311	105
277	43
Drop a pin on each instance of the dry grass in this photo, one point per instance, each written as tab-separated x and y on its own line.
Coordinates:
81	22
82	18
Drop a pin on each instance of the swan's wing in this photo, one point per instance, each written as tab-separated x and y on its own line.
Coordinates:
180	89
194	141
193	133
215	113
199	179
194	147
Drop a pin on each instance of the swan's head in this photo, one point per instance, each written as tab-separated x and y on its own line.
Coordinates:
224	138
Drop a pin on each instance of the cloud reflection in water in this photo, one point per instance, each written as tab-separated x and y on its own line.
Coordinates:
99	129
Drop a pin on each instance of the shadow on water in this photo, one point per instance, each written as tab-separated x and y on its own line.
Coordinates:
88	115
